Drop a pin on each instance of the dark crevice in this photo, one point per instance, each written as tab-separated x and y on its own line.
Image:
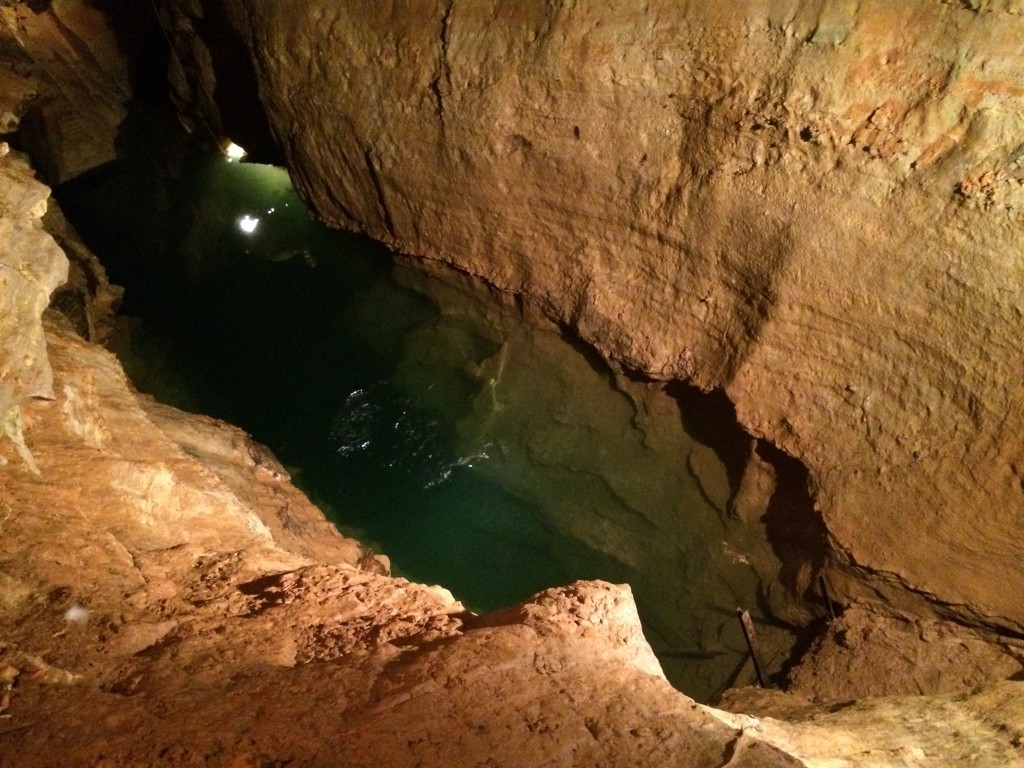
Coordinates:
794	527
435	88
143	44
378	189
443	79
236	93
710	418
445	32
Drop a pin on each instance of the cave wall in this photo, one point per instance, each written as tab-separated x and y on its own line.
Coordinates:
31	267
162	570
815	206
64	81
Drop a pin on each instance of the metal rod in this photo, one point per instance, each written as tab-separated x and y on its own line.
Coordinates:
751	637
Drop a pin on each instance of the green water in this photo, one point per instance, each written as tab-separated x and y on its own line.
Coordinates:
475	450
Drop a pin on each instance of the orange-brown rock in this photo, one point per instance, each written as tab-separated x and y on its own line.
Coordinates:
169	597
866	652
816	207
64	83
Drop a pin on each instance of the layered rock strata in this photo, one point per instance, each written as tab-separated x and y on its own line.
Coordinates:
814	207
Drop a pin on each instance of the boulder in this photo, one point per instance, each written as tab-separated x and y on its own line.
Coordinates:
67	82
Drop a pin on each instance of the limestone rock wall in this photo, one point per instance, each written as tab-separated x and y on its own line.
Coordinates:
168	597
64	82
816	206
31	267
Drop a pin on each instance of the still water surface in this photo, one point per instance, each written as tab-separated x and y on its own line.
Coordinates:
477	451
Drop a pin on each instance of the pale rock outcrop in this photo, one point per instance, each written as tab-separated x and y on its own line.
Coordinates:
816	207
31	267
983	727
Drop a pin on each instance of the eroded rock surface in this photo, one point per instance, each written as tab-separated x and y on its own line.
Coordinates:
867	652
66	83
169	598
983	727
31	267
163	570
816	207
159	568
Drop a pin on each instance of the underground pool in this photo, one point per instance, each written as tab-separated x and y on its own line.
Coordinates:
423	414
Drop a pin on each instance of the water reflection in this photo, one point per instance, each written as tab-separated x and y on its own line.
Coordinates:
388	429
476	450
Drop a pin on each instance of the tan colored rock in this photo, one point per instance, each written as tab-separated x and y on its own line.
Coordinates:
868	653
158	481
71	96
816	207
167	597
18	86
164	571
150	614
983	727
31	267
